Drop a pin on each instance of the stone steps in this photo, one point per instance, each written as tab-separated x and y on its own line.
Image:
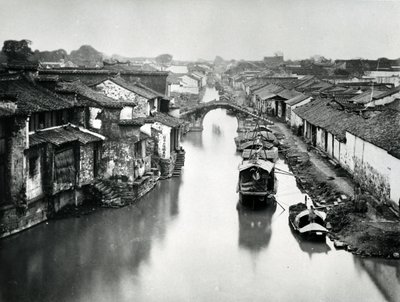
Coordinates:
179	163
107	195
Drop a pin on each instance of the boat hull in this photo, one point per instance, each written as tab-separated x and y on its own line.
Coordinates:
308	224
256	200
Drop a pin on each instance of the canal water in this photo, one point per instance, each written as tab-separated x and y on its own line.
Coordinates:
186	241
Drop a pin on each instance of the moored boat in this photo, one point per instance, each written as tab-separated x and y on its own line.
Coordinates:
308	222
250	136
265	150
257	182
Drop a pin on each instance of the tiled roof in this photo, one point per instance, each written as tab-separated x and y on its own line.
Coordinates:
31	97
65	134
383	131
321	113
388	93
288	94
367	96
164	119
173	78
297	99
87	95
132	122
137	88
268	91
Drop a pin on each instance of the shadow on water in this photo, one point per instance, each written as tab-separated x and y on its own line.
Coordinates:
69	259
385	274
311	247
255	227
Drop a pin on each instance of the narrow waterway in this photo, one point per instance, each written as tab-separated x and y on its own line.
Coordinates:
186	241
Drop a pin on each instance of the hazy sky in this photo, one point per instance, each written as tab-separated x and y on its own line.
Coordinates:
188	29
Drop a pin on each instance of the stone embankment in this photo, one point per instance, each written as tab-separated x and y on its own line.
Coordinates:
357	222
112	194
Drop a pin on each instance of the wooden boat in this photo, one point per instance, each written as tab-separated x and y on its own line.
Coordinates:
250	136
308	222
265	150
257	182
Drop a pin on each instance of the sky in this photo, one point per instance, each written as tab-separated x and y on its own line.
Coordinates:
189	29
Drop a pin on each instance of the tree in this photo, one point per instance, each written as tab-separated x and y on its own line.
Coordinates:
218	60
17	50
164	59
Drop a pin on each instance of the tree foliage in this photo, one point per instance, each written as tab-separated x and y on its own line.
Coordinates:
164	59
17	50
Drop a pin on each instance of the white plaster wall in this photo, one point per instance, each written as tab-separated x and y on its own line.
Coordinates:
394	167
146	128
347	154
93	121
189	81
330	145
34	186
384	164
164	140
338	149
321	138
174	112
126	113
295	120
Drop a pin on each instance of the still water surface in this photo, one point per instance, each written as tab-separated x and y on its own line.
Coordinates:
186	241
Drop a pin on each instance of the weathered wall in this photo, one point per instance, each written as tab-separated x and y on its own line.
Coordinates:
13	220
65	172
295	120
117	159
94	121
16	161
339	149
34	169
162	135
109	121
394	166
86	172
330	147
116	92
373	168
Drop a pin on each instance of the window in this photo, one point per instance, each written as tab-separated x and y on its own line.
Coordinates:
138	149
49	119
33	166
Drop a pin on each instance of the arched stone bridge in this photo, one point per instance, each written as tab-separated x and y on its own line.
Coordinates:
195	115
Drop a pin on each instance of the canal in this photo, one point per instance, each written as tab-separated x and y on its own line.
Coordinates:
186	241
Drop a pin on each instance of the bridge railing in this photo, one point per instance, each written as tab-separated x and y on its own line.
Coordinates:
228	104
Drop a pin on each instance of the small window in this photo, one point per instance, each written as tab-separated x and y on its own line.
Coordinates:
138	150
33	166
42	120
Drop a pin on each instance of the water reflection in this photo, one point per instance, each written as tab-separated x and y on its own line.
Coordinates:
216	130
185	241
86	259
311	247
385	274
255	227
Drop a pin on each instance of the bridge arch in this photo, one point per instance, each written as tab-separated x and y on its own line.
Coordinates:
195	115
